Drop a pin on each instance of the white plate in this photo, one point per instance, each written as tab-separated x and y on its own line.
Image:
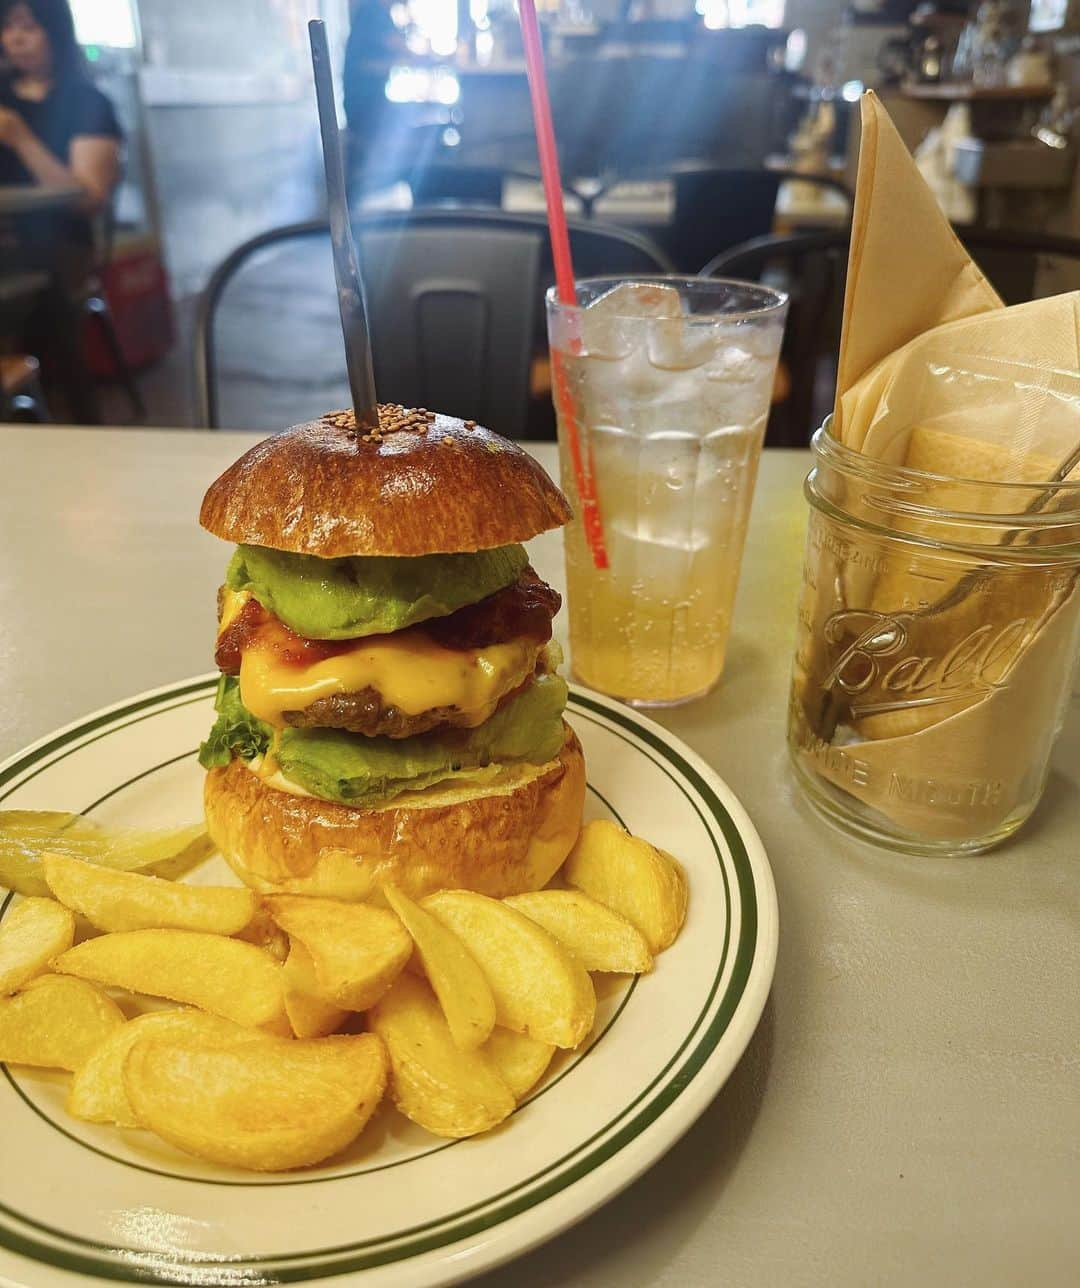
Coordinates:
400	1207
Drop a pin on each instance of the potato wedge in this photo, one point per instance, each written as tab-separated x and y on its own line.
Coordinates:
631	877
447	1091
27	834
264	932
263	1106
224	976
97	1092
56	1022
518	1059
130	901
539	989
33	932
358	951
310	1013
463	992
598	937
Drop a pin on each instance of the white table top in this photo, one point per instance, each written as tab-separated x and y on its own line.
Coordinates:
909	1109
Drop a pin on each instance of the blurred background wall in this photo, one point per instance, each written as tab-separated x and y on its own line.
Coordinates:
216	101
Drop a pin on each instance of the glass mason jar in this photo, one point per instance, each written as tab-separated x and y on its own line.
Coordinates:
938	629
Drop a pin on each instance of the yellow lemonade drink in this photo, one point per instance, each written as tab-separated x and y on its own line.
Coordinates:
671	408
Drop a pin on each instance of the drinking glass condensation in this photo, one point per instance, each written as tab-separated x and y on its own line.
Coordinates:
669	381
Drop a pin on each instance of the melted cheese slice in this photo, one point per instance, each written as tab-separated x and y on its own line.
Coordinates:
409	671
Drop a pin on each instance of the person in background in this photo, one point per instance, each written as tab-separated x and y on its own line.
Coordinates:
374	44
57	130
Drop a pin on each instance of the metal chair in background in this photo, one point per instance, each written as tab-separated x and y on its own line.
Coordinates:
1018	261
456	303
20	387
812	267
466	184
22	400
94	305
717	208
714	207
470	185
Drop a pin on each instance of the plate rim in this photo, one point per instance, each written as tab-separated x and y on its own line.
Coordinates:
505	1227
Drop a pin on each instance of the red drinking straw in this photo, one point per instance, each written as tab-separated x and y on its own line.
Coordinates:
584	477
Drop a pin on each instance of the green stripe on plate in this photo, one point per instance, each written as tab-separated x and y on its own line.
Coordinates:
11	768
137	1265
264	1183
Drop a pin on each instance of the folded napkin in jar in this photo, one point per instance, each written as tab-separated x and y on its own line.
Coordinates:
936	374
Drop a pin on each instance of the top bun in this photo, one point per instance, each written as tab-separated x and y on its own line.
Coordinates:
422	484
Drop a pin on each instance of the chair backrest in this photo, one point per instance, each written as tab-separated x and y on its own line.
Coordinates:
812	268
473	185
716	209
451	325
1013	260
455	297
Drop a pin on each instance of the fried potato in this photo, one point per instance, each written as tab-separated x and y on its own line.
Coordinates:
264	932
539	988
358	951
264	1106
310	1013
130	901
518	1059
631	877
224	976
598	937
463	992
448	1091
97	1092
27	834
32	933
55	1022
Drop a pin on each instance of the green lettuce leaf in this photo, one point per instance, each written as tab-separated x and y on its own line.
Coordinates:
355	770
335	599
236	731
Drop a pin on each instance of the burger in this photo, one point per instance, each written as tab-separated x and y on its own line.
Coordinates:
389	708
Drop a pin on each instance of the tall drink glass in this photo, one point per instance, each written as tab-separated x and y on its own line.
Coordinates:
669	381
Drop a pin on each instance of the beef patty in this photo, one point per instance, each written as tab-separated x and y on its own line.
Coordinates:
522	611
365	713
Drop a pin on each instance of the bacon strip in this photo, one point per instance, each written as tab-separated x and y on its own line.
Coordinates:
255	621
522	611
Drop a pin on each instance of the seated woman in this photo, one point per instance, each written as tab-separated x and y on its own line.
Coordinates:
57	130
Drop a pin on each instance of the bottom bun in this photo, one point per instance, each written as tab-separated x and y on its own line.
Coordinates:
506	837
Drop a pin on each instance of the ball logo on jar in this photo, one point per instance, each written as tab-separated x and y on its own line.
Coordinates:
879	670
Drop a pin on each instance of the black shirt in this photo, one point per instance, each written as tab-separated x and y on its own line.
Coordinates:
74	109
